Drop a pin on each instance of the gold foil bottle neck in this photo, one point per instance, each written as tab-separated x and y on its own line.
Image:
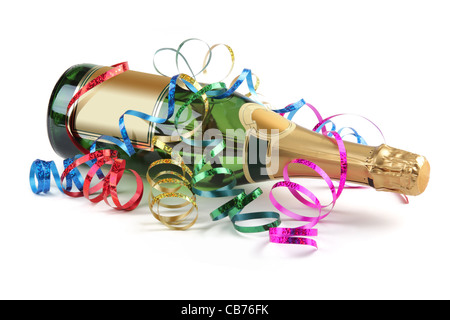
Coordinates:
382	167
400	171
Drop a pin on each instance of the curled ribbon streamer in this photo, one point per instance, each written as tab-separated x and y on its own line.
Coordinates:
322	122
290	235
178	222
208	55
233	208
42	170
181	221
179	54
115	71
246	74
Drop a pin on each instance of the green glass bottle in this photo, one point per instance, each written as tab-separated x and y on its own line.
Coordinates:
135	91
259	142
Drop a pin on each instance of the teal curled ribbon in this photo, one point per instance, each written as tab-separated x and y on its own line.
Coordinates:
234	207
179	54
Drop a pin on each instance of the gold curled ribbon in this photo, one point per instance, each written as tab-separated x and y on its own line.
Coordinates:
179	180
208	55
207	60
173	222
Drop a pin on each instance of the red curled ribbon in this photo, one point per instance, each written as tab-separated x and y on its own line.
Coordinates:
115	71
109	183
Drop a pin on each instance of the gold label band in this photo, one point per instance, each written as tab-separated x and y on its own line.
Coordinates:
131	90
264	124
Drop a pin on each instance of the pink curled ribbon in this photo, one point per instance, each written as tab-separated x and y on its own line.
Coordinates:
296	235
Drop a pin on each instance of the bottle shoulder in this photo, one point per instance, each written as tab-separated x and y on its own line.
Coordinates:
63	91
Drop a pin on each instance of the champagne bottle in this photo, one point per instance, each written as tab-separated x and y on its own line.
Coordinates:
259	142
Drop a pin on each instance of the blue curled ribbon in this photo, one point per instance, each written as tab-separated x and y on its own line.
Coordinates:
42	171
233	207
354	133
246	74
291	109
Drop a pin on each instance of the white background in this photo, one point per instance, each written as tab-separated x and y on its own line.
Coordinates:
386	60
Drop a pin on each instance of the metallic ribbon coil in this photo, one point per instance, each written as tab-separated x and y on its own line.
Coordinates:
42	170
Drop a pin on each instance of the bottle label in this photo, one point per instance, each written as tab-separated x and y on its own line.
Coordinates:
264	129
130	90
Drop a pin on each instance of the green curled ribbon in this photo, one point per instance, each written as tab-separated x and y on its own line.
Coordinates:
227	190
217	144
